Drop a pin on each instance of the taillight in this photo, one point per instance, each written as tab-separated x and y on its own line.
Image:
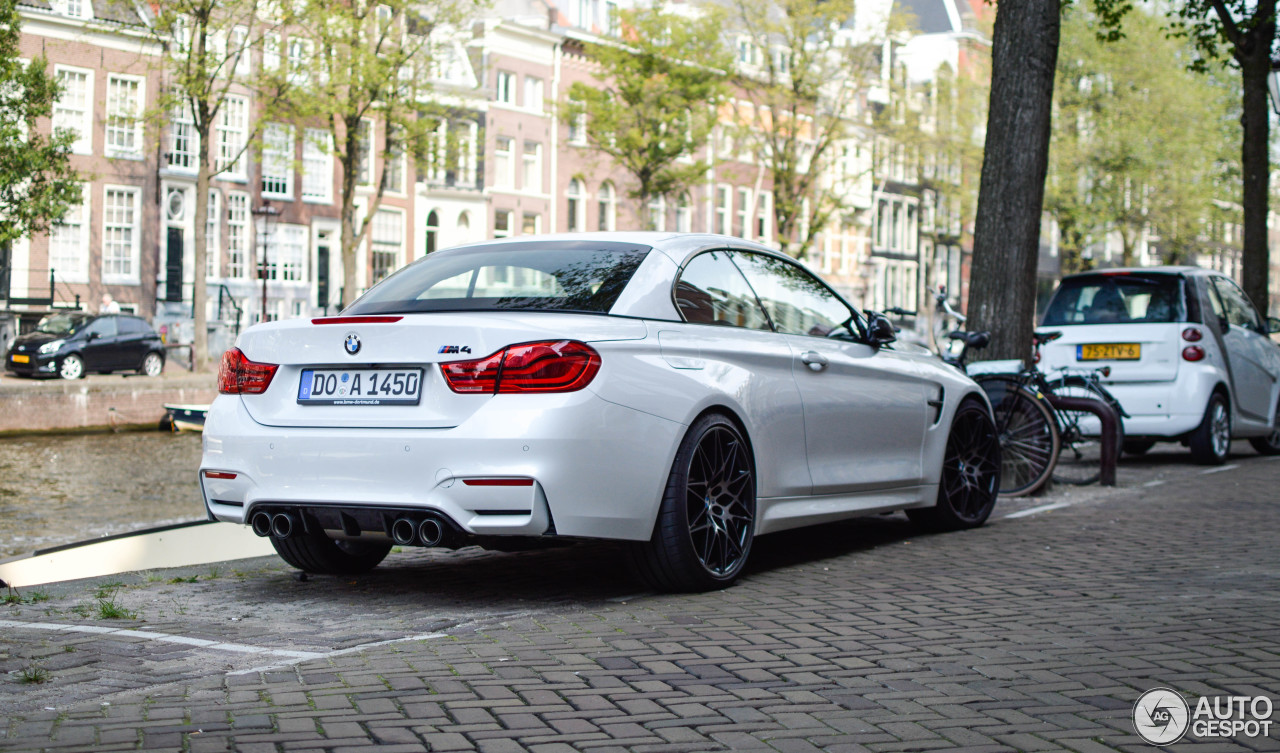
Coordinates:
1193	353
237	375
1192	335
551	366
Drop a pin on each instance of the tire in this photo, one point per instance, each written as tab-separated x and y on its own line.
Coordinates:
1138	446
1270	444
1029	441
72	367
323	555
970	479
152	364
706	523
1211	440
1080	458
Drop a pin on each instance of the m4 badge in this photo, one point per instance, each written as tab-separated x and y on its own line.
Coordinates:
454	349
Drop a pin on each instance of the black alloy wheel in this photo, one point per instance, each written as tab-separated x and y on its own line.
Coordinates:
706	524
970	479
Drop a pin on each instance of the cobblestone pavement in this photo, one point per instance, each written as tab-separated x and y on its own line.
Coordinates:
1036	632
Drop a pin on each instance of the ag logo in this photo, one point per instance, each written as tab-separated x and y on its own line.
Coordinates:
352	343
1161	716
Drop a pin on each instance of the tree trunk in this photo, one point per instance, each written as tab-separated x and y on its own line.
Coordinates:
1255	162
350	161
200	346
1007	228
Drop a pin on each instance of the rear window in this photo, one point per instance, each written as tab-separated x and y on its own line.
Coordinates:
1116	299
575	276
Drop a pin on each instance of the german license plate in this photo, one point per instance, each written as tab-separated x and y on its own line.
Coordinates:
1109	352
375	386
21	359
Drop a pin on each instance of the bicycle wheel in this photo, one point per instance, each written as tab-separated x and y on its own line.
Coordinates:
1028	434
1080	459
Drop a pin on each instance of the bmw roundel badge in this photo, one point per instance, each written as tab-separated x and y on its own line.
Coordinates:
352	343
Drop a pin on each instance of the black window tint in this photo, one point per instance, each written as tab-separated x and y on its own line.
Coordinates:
1240	311
132	325
711	290
564	276
798	302
105	327
1115	299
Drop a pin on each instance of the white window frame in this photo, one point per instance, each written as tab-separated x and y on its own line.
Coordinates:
78	118
723	206
534	93
379	245
577	126
317	166
364	161
78	271
504	165
239	223
229	159
505	88
510	216
126	124
764	217
607	207
132	276
395	166
743	213
188	159
287	251
271	51
531	167
240	45
278	148
576	206
212	234
684	213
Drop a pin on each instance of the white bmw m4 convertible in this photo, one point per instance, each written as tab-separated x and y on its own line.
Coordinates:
679	393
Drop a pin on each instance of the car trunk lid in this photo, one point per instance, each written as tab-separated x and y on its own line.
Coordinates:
1159	347
410	341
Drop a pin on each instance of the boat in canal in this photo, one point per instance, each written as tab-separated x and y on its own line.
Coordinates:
186	417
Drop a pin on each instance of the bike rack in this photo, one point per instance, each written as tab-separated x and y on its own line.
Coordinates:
1109	418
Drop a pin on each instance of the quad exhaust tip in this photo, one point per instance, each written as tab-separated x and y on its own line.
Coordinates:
282	525
261	523
431	531
403	531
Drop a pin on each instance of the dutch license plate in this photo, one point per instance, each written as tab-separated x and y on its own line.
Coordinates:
21	359
1109	352
375	386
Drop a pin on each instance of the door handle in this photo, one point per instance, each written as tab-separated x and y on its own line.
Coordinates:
815	361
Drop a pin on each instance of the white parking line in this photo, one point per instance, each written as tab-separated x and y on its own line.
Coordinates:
148	635
1156	482
1034	510
288	657
1219	469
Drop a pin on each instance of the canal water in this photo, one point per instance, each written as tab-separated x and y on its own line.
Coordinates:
56	489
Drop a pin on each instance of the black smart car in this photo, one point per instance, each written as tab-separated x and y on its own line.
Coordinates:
72	344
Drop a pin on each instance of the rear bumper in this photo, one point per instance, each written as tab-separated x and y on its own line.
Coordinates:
1166	409
598	469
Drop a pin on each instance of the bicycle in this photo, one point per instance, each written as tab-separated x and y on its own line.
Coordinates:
945	319
1038	442
1080	459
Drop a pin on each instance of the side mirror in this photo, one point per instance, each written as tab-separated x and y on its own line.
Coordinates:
880	330
1224	326
1273	325
92	336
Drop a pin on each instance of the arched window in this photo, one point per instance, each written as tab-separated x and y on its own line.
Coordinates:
657	213
684	213
433	231
577	206
608	207
464	227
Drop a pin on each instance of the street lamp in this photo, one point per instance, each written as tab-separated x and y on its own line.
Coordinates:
268	214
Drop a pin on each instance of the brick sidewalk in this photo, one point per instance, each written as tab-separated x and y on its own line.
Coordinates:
1036	633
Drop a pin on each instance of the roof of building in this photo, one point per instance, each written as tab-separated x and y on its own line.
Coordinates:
113	11
933	16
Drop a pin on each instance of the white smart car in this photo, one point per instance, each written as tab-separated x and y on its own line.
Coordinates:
684	393
1190	358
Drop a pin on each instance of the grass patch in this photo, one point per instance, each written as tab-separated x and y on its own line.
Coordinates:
33	675
180	579
110	609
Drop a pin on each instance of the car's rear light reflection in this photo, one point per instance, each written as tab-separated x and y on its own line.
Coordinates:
550	366
498	481
237	375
